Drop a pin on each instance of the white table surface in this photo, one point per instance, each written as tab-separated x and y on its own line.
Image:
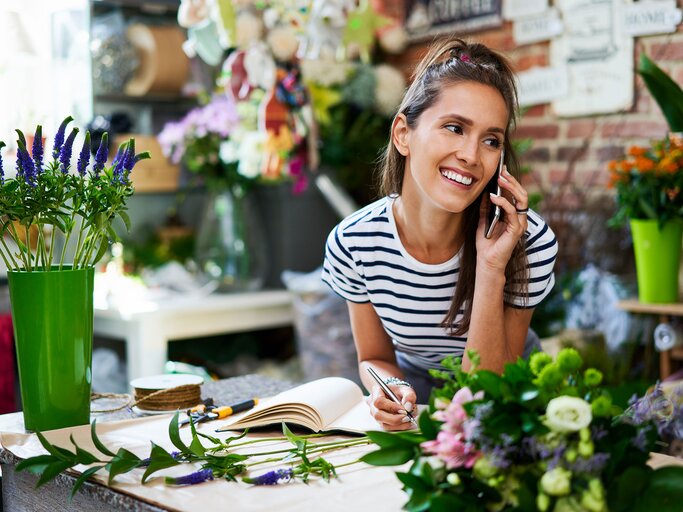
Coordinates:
148	325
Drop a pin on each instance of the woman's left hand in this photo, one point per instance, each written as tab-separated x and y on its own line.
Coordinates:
495	252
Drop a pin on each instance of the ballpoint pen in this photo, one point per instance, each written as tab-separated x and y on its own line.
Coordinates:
389	392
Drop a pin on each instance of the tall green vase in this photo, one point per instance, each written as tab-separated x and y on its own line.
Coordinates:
658	254
52	313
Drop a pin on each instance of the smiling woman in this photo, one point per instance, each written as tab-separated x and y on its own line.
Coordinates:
421	279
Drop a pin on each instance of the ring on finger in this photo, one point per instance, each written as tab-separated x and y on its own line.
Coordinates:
522	211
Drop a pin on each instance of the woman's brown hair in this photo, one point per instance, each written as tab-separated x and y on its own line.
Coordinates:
450	62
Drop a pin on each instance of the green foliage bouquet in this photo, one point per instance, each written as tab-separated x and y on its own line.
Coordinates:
44	200
543	436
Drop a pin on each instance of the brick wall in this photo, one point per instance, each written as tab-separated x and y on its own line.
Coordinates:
591	141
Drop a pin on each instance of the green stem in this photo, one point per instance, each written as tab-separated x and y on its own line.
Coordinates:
41	247
52	244
78	246
28	247
19	244
15	264
322	447
66	241
268	440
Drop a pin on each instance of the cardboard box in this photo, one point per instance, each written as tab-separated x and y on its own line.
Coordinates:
157	174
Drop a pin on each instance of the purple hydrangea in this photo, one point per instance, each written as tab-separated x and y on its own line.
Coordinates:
65	152
195	478
84	156
272	477
37	149
101	155
59	138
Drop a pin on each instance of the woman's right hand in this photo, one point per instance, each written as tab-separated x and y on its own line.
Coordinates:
389	414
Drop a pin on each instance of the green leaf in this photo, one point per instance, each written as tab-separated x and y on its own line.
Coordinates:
196	445
159	459
123	462
214	440
665	492
60	453
664	90
428	426
413	481
82	456
625	489
82	479
174	435
394	456
293	438
490	382
37	464
52	470
96	440
126	219
528	393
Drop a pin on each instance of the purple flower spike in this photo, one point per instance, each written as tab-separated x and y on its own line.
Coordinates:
272	477
84	156
2	171
37	150
195	478
65	153
59	138
129	156
25	164
146	462
102	154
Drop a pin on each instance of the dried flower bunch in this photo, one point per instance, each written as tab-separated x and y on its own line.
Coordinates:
542	437
648	182
44	201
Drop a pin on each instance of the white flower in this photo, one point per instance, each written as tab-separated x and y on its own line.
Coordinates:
394	39
250	154
556	482
228	151
567	414
325	71
389	89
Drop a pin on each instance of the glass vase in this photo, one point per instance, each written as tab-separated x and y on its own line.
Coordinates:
231	245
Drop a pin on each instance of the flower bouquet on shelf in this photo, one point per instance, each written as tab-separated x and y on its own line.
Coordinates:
543	436
43	205
649	194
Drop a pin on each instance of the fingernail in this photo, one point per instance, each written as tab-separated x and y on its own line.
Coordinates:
503	178
493	194
405	420
408	406
402	412
505	170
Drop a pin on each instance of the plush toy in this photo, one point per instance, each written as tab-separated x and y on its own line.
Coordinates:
260	66
325	28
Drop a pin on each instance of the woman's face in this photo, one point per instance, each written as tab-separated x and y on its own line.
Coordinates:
454	149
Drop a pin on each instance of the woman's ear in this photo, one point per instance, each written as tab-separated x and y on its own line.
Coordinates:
399	134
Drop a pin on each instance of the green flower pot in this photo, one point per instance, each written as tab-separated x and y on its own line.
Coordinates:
658	254
52	313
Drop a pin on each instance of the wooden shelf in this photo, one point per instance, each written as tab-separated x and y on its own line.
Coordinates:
634	306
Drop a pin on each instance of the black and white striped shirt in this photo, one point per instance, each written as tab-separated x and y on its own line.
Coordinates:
366	262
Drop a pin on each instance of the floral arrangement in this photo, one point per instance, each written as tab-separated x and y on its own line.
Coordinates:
543	436
44	200
648	183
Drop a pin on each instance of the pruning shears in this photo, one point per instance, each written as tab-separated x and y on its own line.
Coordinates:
204	412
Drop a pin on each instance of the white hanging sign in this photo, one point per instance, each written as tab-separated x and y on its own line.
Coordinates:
646	18
516	9
542	85
598	55
537	28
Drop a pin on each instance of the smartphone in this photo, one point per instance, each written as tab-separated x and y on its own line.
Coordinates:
495	211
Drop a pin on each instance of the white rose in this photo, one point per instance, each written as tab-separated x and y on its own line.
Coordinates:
556	482
567	414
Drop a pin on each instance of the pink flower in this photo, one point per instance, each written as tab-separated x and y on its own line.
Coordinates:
455	415
452	449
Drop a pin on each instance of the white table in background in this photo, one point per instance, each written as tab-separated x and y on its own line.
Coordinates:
148	326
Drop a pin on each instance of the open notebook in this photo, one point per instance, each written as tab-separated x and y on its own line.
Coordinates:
328	404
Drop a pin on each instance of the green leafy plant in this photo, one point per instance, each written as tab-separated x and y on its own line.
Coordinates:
542	436
216	458
667	93
49	198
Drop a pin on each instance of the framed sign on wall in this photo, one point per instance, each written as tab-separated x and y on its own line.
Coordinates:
428	18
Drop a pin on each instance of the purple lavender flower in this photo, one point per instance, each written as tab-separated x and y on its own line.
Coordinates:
59	138
640	440
556	459
197	477
25	165
655	407
597	432
37	150
592	465
84	156
129	156
102	154
272	477
65	152
146	462
2	171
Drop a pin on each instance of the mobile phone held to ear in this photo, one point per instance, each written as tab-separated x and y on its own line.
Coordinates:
494	211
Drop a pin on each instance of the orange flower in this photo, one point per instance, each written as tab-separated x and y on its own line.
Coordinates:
644	164
637	151
625	166
612	165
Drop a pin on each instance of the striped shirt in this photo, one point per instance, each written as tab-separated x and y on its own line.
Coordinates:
365	261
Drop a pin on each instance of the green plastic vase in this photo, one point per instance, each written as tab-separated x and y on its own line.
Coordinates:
658	254
52	313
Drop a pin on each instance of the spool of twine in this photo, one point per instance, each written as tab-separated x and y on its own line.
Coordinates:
159	393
